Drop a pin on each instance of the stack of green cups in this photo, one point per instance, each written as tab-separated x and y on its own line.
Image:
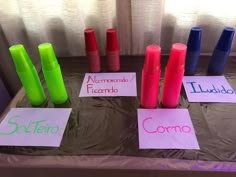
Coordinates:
29	77
52	74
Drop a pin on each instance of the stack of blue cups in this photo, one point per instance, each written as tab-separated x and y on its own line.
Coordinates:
221	52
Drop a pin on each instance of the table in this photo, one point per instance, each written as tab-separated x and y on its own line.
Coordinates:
101	153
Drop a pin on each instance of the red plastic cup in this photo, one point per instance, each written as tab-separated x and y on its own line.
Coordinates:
92	52
112	51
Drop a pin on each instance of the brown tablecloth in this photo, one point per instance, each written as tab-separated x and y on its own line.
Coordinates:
102	138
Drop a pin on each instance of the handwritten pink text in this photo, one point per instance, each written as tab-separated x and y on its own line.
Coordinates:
165	129
93	79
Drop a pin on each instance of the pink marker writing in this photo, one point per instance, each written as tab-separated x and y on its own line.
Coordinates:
164	128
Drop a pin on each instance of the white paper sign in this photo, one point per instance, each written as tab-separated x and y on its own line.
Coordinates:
166	129
208	89
34	127
108	84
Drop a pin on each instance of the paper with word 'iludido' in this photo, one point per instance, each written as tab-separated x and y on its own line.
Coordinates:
34	127
108	84
208	89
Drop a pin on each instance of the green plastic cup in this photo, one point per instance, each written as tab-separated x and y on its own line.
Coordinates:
28	75
52	74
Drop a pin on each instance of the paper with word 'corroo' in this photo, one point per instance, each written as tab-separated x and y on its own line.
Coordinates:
208	89
166	129
108	84
34	127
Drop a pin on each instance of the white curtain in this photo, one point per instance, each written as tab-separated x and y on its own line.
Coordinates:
138	23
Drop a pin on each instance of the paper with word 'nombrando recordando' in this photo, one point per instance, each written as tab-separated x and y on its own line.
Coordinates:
108	84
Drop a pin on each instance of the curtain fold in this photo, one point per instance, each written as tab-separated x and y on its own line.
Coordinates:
5	97
138	22
146	24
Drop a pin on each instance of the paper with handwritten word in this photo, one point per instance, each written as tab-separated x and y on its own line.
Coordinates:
34	127
208	89
109	84
166	129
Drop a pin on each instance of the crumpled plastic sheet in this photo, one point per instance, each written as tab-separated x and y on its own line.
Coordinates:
108	125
